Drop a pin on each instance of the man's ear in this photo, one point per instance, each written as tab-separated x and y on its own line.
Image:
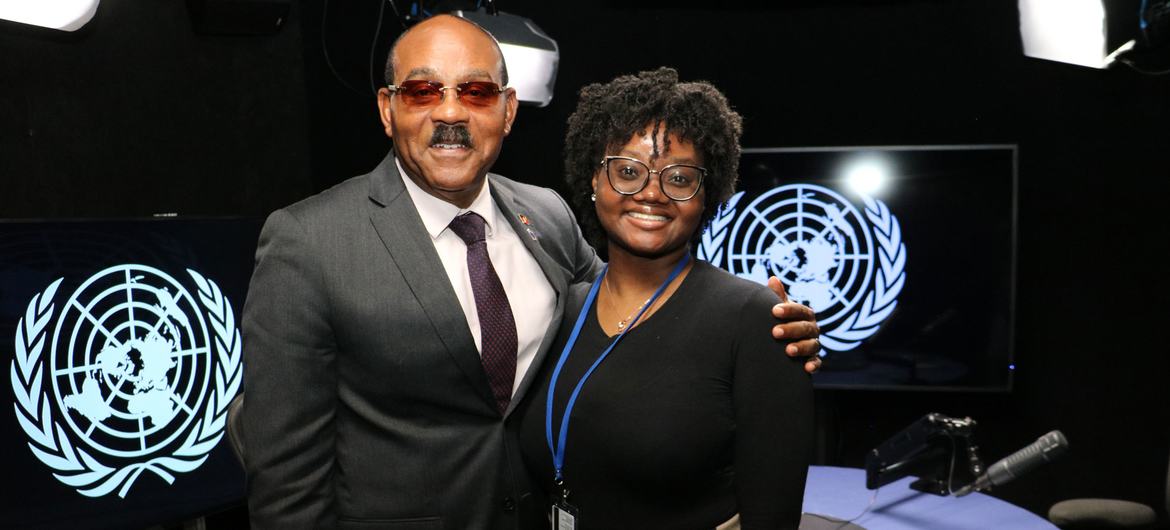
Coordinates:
384	111
511	105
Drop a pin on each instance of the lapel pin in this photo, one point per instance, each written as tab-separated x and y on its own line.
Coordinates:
528	226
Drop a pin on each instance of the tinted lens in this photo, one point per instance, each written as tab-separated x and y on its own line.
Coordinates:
681	182
478	93
417	92
627	176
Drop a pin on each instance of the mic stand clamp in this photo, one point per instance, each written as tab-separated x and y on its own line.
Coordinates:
960	432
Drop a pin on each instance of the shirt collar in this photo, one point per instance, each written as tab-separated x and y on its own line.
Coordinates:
437	214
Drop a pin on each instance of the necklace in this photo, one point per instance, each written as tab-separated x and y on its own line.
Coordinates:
625	321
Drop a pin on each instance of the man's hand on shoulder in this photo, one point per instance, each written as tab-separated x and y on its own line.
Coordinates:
797	327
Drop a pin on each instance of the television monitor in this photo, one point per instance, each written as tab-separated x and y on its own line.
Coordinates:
906	253
123	352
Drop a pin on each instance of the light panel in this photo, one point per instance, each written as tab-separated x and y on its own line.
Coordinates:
64	15
1067	31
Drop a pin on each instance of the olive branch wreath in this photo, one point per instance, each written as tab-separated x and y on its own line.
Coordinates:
77	468
863	322
711	245
890	278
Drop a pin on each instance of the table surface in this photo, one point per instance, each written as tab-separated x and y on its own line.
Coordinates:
840	492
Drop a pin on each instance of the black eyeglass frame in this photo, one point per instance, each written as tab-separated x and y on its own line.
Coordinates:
649	173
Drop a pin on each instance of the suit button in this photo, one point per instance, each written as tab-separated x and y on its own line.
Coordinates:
509	504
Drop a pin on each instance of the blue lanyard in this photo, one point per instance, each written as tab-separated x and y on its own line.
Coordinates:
558	450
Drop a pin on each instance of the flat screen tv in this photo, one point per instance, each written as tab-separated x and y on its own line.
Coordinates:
122	348
906	253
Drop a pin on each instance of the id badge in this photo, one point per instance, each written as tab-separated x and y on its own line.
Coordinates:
564	516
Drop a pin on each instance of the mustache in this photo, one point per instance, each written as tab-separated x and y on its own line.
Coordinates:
451	135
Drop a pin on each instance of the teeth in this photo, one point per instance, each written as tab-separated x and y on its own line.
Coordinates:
448	146
648	217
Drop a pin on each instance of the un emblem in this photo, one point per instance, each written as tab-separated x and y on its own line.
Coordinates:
847	265
129	373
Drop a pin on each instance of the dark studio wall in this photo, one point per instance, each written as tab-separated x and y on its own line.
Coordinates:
140	115
137	114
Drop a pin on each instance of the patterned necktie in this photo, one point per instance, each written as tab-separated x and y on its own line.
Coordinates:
497	326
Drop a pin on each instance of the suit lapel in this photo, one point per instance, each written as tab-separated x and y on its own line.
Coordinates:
513	207
410	249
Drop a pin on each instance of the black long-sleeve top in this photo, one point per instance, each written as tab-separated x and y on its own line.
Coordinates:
695	416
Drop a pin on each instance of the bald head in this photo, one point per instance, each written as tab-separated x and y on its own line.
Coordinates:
440	23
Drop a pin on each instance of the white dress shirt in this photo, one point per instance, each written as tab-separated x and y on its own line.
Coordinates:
529	293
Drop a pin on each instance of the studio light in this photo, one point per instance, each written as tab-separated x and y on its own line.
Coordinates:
1067	31
1098	33
531	55
867	176
64	15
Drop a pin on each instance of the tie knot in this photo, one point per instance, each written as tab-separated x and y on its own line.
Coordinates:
469	227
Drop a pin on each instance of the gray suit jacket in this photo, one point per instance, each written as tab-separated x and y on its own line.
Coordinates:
367	403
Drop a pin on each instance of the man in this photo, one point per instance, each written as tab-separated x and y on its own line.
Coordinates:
369	405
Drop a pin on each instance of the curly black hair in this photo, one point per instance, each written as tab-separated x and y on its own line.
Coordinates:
609	114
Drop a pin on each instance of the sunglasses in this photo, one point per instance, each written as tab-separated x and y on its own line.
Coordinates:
422	93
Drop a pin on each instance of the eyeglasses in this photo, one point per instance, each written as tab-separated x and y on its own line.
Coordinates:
422	93
627	176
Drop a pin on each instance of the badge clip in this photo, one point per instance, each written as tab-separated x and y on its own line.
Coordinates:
564	515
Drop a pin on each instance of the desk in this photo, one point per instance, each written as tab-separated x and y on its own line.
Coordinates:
840	492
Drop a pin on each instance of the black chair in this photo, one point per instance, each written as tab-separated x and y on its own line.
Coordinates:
1106	513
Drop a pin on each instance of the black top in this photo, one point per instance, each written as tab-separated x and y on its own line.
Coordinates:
696	415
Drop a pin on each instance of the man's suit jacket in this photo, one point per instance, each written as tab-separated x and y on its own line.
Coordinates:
367	405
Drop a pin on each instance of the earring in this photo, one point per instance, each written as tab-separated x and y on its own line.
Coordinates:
593	197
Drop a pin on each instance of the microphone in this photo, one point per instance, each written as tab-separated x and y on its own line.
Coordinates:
1045	449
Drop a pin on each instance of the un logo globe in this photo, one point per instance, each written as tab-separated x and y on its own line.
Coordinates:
844	262
131	372
813	239
130	358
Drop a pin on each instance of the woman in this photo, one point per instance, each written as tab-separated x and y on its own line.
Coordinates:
680	414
